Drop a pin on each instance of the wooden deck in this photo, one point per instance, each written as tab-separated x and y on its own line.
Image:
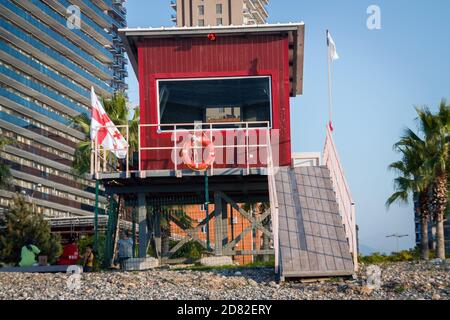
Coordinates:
36	269
312	236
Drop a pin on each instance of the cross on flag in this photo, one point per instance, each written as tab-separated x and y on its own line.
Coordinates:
105	131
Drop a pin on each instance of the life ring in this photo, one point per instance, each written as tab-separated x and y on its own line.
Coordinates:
205	143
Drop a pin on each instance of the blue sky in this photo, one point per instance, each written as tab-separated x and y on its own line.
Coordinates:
381	76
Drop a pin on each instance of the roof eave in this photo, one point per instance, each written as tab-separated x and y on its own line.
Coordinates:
131	36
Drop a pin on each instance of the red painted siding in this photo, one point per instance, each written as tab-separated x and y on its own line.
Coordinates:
200	57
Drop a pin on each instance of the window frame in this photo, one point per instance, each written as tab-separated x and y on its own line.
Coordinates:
201	10
158	114
219	5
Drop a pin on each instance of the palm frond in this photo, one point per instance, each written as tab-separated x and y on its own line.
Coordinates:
399	196
116	108
82	122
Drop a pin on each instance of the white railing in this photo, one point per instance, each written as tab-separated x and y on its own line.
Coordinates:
273	197
343	195
102	160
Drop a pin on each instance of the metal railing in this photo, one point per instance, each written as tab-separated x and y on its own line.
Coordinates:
85	221
39	87
343	195
273	197
54	36
102	159
100	15
103	162
43	69
89	22
32	106
38	45
62	21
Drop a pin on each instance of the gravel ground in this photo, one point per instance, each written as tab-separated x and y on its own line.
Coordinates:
408	280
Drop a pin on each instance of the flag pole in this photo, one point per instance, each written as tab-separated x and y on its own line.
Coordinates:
97	187
330	88
208	245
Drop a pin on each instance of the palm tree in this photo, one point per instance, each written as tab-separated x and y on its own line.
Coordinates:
435	128
410	181
5	173
116	108
428	165
82	156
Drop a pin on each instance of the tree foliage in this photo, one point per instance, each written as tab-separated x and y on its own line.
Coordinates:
21	226
118	112
5	173
422	172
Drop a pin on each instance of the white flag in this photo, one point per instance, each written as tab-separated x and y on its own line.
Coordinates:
331	47
105	131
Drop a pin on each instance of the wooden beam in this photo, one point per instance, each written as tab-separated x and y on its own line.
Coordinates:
224	224
233	243
248	216
142	220
248	252
157	232
191	234
218	223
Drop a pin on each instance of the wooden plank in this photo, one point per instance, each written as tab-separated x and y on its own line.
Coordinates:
310	225
304	260
283	224
224	223
320	253
37	269
192	234
218	223
248	216
318	273
142	221
296	263
232	244
247	252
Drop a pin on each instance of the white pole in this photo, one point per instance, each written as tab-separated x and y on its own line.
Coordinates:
330	89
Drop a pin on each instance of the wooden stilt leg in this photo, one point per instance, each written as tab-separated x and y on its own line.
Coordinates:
142	220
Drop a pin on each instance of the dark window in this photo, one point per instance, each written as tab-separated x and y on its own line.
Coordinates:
219	21
201	10
201	23
219	8
223	100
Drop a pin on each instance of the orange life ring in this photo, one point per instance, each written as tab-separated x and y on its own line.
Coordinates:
207	144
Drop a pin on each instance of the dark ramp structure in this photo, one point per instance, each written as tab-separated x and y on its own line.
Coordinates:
312	237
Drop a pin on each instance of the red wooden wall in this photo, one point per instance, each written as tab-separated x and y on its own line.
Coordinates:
201	57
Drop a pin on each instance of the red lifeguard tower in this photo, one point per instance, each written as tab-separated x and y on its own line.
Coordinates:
215	124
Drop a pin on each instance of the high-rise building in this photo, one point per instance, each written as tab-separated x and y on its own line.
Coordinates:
219	12
51	53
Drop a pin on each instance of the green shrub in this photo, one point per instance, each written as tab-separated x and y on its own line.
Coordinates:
191	250
258	262
22	226
402	256
405	255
